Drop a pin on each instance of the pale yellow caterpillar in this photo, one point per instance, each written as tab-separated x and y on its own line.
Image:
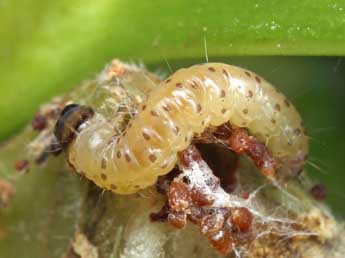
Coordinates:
183	106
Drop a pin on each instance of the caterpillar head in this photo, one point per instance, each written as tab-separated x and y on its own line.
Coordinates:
70	119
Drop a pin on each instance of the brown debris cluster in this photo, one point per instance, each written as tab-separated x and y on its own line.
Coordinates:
319	192
22	165
223	226
241	142
46	116
45	144
187	200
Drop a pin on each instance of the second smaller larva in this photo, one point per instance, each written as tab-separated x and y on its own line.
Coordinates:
183	106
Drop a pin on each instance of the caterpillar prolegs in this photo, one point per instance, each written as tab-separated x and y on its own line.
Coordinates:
181	108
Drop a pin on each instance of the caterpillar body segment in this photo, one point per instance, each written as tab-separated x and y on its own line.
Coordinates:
182	107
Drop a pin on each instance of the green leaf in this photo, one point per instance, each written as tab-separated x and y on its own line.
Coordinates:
48	47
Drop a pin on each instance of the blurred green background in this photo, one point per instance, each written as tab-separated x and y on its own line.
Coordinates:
48	47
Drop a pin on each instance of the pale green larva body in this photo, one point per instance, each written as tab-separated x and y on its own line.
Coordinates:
184	105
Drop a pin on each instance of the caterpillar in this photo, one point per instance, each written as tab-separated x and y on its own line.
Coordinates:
183	106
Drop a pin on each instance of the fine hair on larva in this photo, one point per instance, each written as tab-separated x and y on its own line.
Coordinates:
181	107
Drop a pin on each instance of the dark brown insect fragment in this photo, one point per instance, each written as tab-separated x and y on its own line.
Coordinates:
39	122
21	165
319	192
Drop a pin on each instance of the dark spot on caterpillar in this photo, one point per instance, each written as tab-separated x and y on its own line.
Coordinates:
168	80
287	103
146	136
152	157
297	131
245	111
212	69
277	107
203	122
247	73
71	117
166	107
257	78
250	94
179	85
112	186
39	122
273	121
164	165
194	85
111	141
225	73
104	163
223	110
127	157
143	107
222	94
154	113
21	165
118	154
186	139
198	108
176	130
104	176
